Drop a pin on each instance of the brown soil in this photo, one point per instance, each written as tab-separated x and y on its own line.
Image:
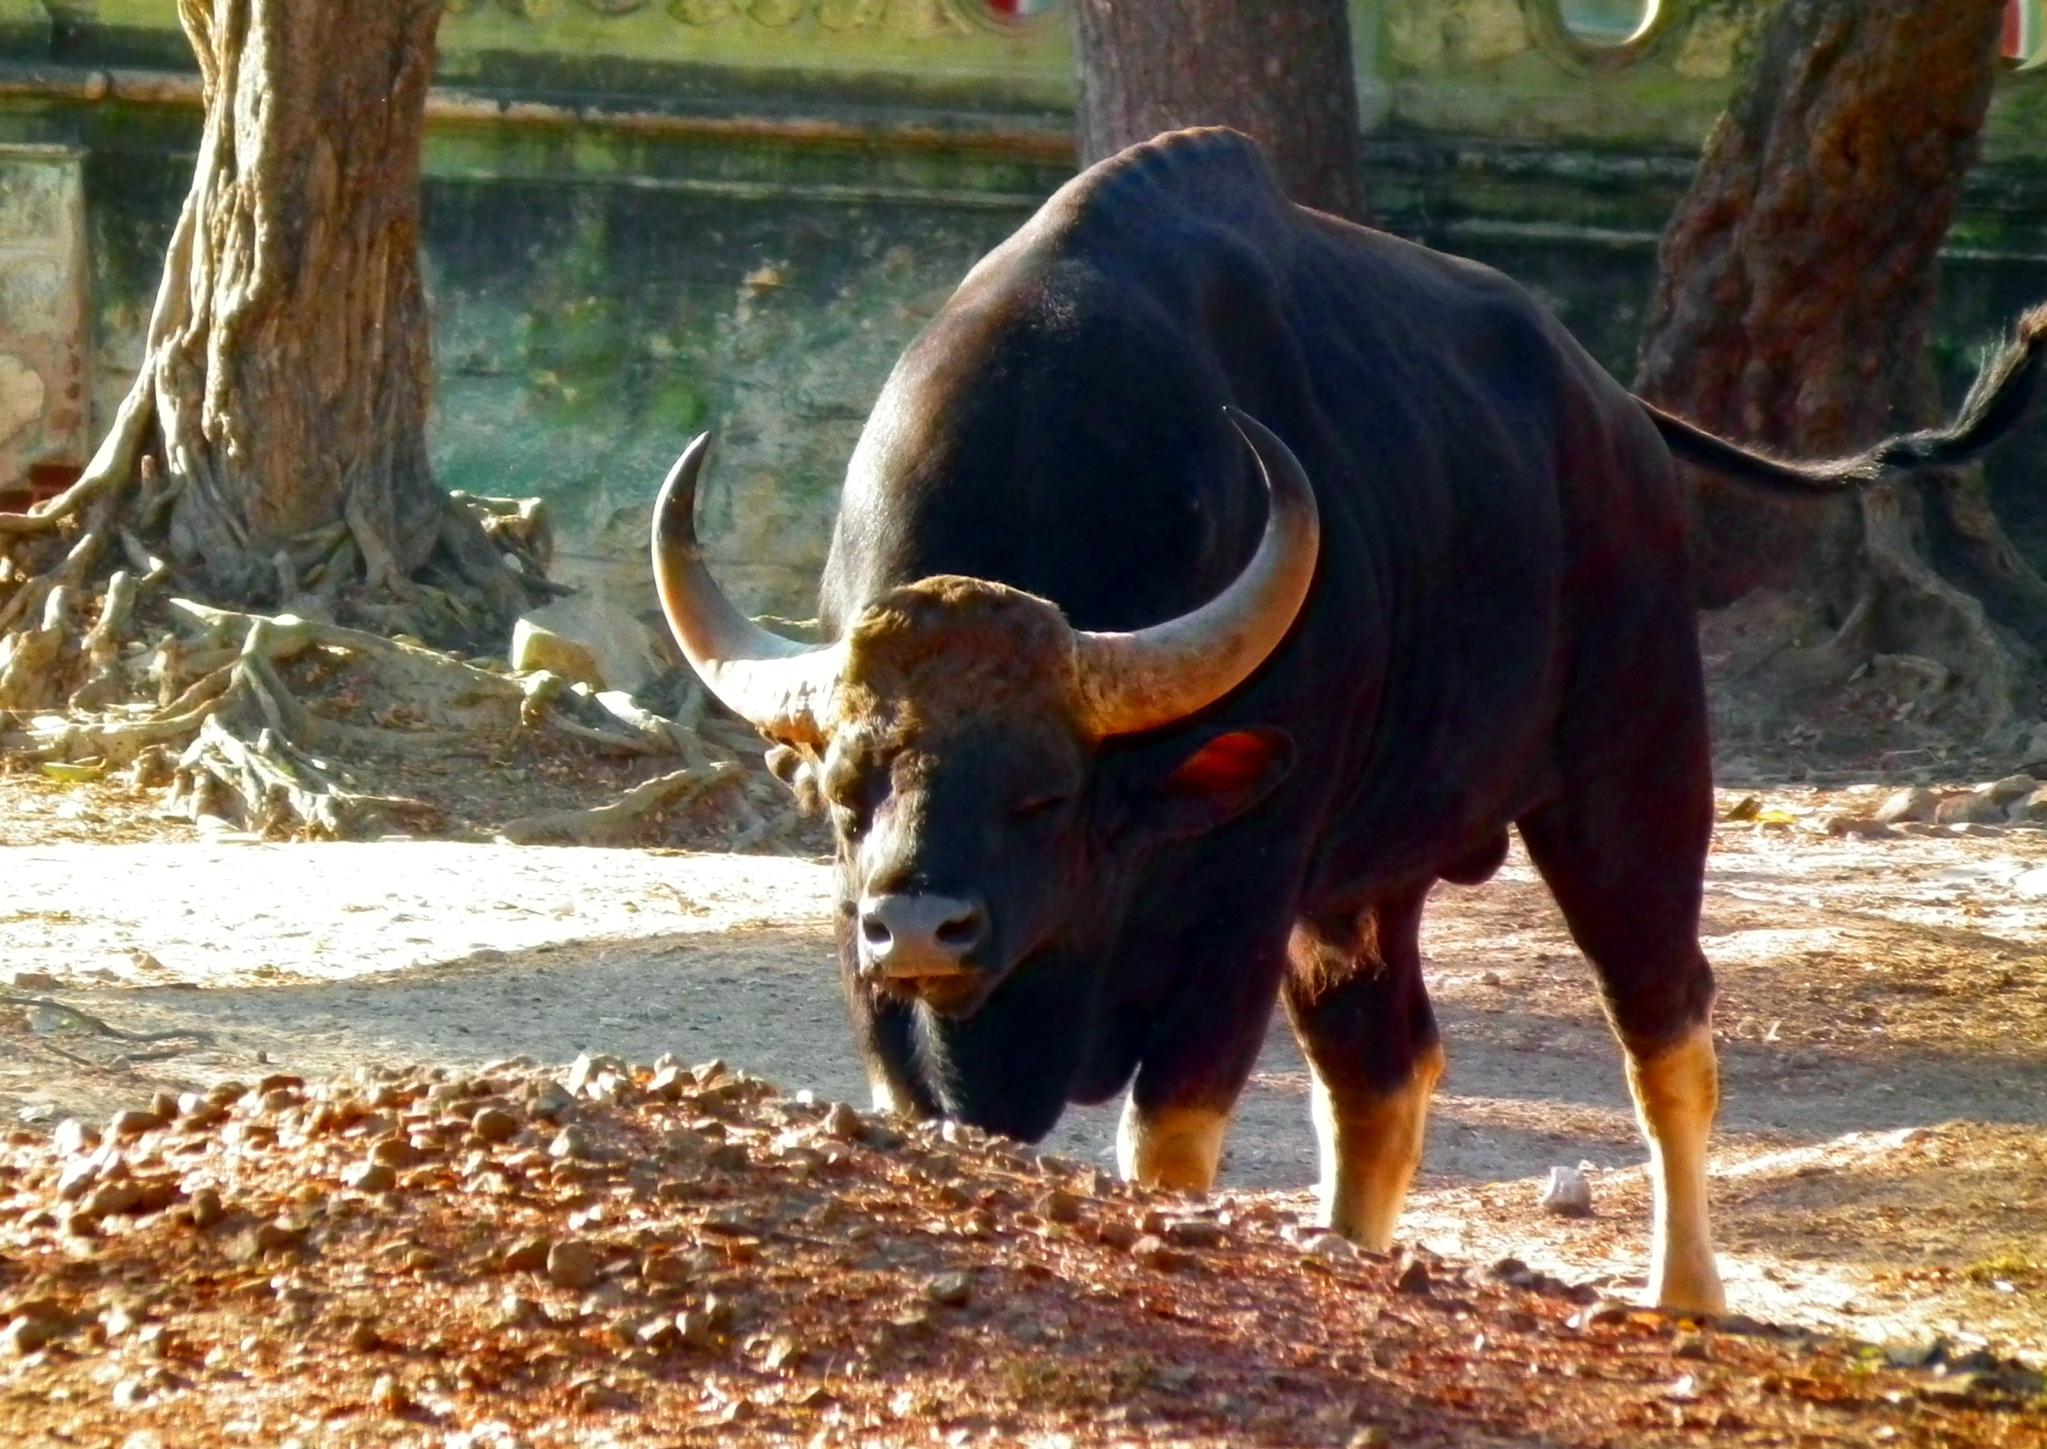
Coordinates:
696	1260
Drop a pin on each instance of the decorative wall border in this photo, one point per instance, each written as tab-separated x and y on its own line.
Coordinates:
922	18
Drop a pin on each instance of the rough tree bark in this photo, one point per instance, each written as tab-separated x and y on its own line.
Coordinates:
1795	290
1279	73
291	372
272	451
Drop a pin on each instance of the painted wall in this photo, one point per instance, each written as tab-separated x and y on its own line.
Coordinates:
645	217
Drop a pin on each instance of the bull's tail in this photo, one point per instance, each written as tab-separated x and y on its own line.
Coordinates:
1997	400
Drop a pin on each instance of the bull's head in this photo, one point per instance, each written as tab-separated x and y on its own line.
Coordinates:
952	734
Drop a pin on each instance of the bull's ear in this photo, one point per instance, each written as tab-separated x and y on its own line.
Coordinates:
798	771
1220	781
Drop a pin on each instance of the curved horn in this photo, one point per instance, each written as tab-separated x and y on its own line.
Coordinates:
1152	677
777	685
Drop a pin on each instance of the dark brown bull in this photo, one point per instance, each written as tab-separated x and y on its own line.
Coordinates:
1116	755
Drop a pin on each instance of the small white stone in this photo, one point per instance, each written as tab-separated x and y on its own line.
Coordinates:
1568	1193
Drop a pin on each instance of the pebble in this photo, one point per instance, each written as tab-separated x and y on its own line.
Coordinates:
1153	1252
394	1151
1414	1278
494	1124
593	1397
1916	804
1568	1193
667	1269
953	1290
77	1177
570	1143
549	1100
843	1122
1195	1233
133	1123
113	1198
363	1337
573	1265
386	1394
1058	1207
25	1335
207	1208
372	1176
528	1255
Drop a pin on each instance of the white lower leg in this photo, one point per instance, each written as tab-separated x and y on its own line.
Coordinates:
1173	1147
1677	1092
1370	1148
887	1099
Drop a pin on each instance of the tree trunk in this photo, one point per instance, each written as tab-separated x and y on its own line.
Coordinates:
290	370
1795	291
1280	73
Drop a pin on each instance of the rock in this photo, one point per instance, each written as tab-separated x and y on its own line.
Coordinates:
2010	788
207	1208
573	1265
1414	1278
528	1255
1568	1193
370	1177
388	1396
535	646
394	1152
1194	1233
1858	825
1058	1207
952	1290
665	1269
570	1142
1154	1253
1917	803
33	981
133	1123
1972	808
2029	807
77	1178
549	1099
843	1122
624	651
111	1199
25	1334
494	1124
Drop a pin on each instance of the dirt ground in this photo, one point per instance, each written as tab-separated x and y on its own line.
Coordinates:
1881	1167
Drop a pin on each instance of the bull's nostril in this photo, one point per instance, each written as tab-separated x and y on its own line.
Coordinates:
874	930
961	931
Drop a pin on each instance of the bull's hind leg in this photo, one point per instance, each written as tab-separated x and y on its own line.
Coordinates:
1359	1009
1625	861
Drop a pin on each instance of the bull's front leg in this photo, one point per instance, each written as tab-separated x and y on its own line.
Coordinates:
1197	1056
1355	996
1171	1146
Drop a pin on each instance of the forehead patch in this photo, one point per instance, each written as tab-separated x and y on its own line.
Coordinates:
930	654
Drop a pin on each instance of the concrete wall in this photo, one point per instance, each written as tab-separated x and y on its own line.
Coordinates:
649	216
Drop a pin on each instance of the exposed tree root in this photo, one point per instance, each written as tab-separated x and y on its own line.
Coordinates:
240	748
607	824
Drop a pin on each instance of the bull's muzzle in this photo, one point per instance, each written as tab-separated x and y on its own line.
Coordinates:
905	936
